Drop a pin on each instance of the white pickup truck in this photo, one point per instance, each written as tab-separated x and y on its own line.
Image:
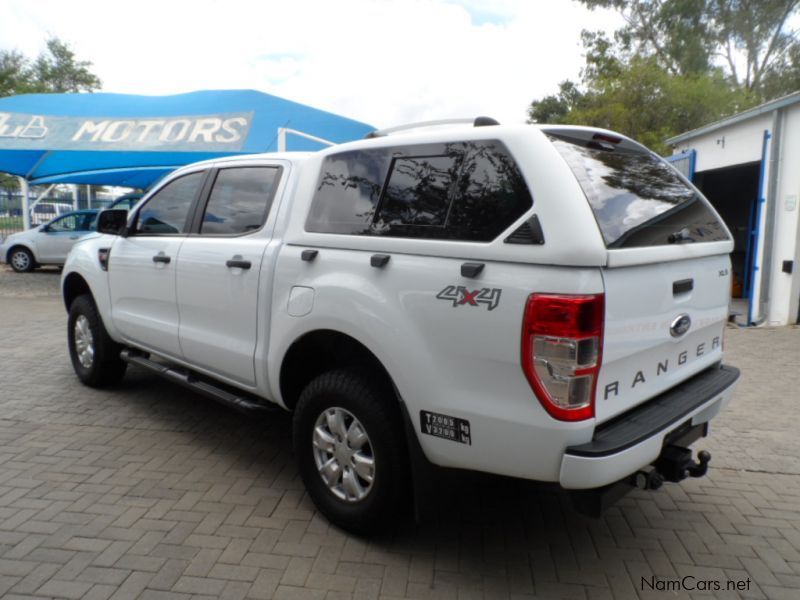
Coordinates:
547	303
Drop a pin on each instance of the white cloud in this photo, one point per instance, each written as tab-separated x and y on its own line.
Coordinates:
380	61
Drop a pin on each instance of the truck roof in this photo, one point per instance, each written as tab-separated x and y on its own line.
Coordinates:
431	131
292	156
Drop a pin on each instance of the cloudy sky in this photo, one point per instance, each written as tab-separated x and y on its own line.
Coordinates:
380	61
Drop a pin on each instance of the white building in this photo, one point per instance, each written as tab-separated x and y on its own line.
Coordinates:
748	166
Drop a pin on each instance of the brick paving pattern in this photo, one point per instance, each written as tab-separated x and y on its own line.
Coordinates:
149	491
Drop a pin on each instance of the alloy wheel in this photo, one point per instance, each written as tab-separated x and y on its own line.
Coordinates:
21	260
84	342
343	454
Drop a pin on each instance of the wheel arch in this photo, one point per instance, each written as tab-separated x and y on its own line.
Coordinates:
321	350
30	249
74	285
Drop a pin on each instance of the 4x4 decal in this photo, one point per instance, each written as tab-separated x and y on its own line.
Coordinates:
461	296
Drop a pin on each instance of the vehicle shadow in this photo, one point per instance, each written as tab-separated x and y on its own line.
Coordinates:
505	514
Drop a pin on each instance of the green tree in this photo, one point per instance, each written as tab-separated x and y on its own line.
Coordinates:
55	70
748	38
556	108
58	71
677	64
13	72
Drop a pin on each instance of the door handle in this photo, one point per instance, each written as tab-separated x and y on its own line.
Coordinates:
379	260
235	263
160	258
682	286
74	237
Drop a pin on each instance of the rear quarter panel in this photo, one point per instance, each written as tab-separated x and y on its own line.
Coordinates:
445	356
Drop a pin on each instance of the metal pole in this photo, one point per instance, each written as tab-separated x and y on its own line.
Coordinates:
88	196
281	139
282	131
770	224
42	196
753	298
26	215
74	197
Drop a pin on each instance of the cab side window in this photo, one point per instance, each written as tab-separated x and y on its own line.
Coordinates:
240	200
67	223
167	211
89	222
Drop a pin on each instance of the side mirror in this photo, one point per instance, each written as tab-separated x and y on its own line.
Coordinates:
113	221
44	228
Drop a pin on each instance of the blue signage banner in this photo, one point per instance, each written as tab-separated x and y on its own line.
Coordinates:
225	132
123	139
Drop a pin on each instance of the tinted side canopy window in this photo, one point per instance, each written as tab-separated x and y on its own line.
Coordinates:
637	198
469	191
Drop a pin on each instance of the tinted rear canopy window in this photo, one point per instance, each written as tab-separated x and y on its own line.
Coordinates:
467	191
637	198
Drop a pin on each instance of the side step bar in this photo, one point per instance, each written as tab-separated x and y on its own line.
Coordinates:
243	403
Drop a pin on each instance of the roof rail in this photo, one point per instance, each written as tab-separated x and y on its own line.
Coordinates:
476	122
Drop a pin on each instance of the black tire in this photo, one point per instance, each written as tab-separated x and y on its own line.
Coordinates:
105	366
21	259
376	408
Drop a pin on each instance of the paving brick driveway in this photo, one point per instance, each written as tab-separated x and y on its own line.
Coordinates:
149	491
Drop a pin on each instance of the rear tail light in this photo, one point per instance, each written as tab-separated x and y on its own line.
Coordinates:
562	348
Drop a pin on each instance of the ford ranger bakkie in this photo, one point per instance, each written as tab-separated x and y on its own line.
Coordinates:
539	302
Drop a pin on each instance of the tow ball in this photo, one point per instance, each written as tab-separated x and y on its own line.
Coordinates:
676	464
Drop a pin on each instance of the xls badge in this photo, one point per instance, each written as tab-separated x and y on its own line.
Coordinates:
461	296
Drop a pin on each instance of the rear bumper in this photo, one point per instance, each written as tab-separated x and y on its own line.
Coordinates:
634	440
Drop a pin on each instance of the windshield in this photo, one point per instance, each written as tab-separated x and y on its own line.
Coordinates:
637	198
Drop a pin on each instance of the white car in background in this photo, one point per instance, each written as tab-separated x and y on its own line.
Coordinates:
47	244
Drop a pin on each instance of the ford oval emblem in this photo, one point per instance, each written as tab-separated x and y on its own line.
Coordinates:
680	325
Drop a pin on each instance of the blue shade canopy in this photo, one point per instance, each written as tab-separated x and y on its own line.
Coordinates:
128	140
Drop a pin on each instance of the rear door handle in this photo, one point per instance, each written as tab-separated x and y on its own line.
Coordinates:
160	258
74	237
238	264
